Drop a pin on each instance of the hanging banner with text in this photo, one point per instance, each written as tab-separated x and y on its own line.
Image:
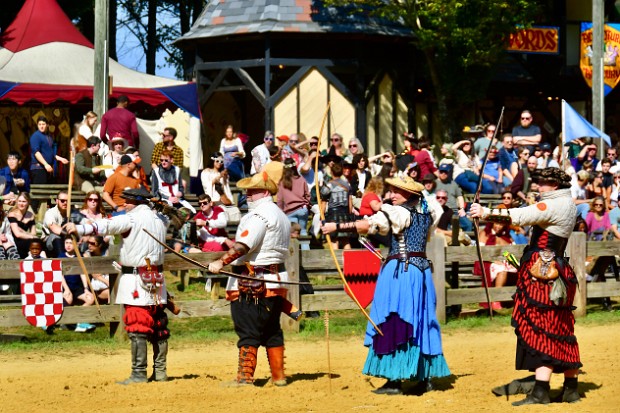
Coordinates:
539	40
611	66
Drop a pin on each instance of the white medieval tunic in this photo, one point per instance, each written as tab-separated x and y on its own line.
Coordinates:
266	231
136	246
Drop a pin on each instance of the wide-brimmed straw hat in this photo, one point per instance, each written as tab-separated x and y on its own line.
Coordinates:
260	180
406	183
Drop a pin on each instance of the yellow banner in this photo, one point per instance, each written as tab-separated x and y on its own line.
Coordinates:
611	65
543	40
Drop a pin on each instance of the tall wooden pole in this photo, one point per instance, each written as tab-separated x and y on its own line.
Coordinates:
101	69
598	44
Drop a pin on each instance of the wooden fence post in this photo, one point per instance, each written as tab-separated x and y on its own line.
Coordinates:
292	268
435	250
576	250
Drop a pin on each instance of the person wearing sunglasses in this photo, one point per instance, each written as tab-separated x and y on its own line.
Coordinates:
97	247
53	220
215	180
527	133
167	182
168	136
260	153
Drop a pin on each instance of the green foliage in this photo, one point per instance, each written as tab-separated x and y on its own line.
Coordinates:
462	40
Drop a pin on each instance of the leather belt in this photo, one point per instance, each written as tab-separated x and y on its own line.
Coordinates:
420	254
261	269
129	270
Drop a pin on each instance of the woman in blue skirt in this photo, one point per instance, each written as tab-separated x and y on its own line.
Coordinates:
404	303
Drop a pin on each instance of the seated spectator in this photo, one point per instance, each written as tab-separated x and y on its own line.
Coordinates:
594	187
8	252
522	183
88	174
430	184
337	196
113	158
492	174
53	221
294	196
361	175
75	288
23	224
167	143
508	160
444	226
167	183
579	193
455	195
608	180
211	223
355	148
260	153
498	273
16	178
597	220
377	162
215	181
118	182
465	172
97	247
36	250
614	219
139	172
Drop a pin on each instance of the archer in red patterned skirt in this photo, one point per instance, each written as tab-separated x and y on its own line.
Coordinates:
543	312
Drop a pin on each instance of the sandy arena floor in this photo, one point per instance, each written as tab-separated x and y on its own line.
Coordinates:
479	361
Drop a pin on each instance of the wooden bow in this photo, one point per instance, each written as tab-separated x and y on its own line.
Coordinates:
228	273
477	220
317	188
76	247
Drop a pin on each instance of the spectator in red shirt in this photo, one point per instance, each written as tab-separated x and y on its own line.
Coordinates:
211	221
120	122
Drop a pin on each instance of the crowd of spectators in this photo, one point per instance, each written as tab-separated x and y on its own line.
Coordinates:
350	184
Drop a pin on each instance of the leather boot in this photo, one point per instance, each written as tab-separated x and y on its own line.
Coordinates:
276	363
138	359
247	364
539	395
569	394
160	356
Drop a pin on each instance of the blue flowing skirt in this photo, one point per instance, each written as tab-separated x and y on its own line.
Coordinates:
404	309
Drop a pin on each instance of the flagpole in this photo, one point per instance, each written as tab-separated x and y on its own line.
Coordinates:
561	151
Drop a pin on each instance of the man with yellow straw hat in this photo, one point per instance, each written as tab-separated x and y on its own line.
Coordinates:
261	245
404	303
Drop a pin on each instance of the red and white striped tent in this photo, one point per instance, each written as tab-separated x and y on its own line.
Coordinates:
44	58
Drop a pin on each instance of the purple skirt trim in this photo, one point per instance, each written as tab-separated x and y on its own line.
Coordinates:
396	332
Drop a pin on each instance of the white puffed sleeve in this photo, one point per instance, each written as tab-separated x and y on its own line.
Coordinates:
400	218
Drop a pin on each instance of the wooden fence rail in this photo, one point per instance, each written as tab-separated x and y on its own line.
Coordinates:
319	262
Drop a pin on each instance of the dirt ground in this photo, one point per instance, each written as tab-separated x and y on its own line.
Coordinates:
478	360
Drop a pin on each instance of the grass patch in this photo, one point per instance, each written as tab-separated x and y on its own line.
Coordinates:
342	325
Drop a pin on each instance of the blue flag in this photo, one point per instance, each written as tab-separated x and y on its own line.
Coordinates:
575	126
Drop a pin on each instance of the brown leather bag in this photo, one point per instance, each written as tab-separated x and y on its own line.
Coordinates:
544	268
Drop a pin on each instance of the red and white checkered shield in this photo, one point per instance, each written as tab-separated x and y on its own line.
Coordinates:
41	282
361	269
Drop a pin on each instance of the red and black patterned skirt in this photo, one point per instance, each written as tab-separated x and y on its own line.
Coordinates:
545	331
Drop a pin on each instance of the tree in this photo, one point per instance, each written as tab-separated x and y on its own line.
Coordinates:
461	40
156	23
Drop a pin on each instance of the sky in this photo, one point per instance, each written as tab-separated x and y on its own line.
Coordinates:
130	53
